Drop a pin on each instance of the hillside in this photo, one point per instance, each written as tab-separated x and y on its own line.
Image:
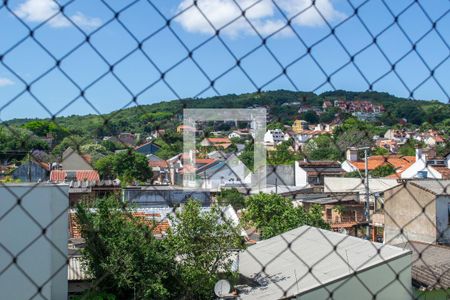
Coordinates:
167	114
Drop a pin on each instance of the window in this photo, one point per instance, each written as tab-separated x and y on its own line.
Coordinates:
448	213
422	174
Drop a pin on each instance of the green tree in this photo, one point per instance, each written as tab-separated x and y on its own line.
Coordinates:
42	128
127	165
275	125
247	156
409	148
273	214
206	244
383	171
96	151
231	197
310	116
380	151
322	147
122	253
282	155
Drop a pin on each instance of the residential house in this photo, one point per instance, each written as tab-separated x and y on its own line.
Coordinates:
72	160
377	188
427	165
240	133
400	136
127	138
398	162
182	128
313	172
302	138
343	211
149	148
391	145
164	196
326	105
418	210
299	125
223	142
90	190
274	137
32	171
221	173
311	263
61	176
160	169
433	141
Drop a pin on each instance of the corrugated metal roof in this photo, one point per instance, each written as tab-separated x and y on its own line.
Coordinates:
284	271
431	269
76	271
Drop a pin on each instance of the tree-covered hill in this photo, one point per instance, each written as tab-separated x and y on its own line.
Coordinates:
145	118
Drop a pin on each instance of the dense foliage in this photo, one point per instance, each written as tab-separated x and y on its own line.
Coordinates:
130	263
127	165
273	214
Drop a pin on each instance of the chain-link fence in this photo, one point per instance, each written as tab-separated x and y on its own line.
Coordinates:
355	207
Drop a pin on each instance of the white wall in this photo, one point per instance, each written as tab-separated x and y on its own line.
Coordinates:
301	178
420	165
44	262
380	280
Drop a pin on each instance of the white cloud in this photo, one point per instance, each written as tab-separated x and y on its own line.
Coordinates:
263	15
5	81
42	10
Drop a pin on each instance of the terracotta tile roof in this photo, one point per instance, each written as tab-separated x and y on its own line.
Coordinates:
80	175
204	160
445	172
400	163
224	140
319	163
158	164
153	220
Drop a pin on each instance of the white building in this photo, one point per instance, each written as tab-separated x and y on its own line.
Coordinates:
319	261
229	172
274	137
428	168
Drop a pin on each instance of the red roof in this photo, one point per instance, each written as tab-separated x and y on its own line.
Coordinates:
153	220
204	160
444	171
224	140
157	164
80	175
400	163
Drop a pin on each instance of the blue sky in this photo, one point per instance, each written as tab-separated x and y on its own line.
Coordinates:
166	50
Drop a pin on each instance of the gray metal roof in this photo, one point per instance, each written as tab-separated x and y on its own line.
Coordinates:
431	269
76	271
310	246
435	186
342	185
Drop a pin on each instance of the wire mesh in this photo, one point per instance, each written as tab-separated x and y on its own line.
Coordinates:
427	201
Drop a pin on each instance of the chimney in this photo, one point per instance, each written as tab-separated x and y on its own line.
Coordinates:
351	154
418	154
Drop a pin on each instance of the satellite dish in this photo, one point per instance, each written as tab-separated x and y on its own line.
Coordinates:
222	288
343	231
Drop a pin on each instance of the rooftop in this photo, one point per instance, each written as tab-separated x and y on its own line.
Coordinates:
309	246
430	271
400	163
434	186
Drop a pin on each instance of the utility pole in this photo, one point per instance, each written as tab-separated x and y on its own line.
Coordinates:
366	185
